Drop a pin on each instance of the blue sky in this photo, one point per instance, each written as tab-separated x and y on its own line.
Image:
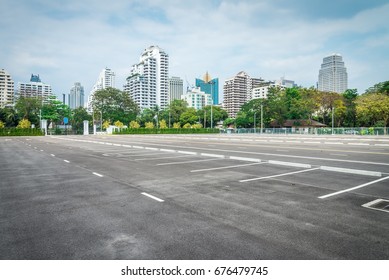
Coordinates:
72	41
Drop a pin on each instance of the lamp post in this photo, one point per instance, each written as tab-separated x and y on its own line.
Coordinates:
261	118
255	116
333	120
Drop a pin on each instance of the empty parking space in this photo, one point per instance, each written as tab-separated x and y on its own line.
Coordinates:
263	191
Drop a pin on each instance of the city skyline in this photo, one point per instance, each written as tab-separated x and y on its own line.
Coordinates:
267	39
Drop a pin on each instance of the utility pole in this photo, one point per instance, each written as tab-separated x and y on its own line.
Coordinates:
261	118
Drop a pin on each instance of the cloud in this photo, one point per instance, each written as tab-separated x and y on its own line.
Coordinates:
74	40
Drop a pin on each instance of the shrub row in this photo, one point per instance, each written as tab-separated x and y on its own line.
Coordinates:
166	131
13	131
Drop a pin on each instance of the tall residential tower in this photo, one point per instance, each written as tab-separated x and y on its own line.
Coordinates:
333	74
76	96
148	82
6	89
106	79
34	88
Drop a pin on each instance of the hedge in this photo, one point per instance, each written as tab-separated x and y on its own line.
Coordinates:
13	131
166	131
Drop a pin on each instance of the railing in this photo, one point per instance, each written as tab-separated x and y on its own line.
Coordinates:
315	131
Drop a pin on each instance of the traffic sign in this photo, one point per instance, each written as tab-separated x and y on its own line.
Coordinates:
65	120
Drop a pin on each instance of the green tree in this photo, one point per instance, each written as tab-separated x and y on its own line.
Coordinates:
177	108
147	115
29	108
79	115
9	116
382	87
114	104
350	118
372	108
186	126
218	113
189	116
54	110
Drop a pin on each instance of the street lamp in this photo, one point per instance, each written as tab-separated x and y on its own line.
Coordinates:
255	116
261	118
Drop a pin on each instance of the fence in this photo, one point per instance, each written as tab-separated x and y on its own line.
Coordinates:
315	131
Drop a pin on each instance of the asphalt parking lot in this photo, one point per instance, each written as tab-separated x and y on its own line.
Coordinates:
194	197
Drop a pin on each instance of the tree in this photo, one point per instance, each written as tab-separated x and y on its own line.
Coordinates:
106	124
176	125
134	124
147	115
350	118
218	113
1	125
162	124
189	116
29	108
186	126
382	87
114	104
149	125
24	123
54	110
177	108
119	124
9	117
78	116
372	108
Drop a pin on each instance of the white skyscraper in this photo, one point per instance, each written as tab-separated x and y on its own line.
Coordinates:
148	82
34	88
238	90
333	74
176	88
106	79
6	88
76	96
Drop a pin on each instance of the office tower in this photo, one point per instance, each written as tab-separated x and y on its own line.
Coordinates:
333	74
237	91
176	88
34	88
148	82
6	89
76	96
197	99
210	86
106	79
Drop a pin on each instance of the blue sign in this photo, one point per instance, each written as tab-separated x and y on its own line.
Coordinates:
65	120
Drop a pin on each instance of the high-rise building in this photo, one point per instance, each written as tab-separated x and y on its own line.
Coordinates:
6	88
106	79
176	88
34	88
197	99
238	90
76	96
333	74
210	86
148	82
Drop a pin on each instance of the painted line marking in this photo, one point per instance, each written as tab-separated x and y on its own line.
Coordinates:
245	159
371	203
279	175
294	164
140	159
187	153
354	188
153	197
340	155
41	150
382	145
97	174
359	144
333	143
152	149
191	161
311	142
52	155
351	171
212	155
167	150
226	167
66	161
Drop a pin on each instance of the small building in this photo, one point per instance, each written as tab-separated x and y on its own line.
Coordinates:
298	125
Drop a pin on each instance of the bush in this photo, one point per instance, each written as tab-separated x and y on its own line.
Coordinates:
166	131
21	132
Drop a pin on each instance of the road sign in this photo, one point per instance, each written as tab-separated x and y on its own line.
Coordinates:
65	120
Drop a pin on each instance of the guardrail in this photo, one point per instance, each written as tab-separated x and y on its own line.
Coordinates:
315	131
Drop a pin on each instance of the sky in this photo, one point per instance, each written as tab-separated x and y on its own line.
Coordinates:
72	41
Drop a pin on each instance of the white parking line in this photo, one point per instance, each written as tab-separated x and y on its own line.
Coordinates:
279	175
191	161
153	197
52	155
97	174
156	158
66	161
226	167
354	188
212	155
